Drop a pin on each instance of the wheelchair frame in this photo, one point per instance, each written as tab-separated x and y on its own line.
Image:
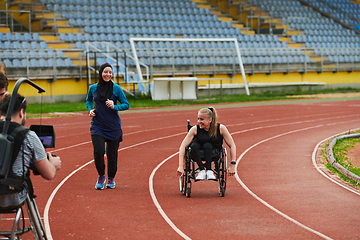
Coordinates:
36	225
220	171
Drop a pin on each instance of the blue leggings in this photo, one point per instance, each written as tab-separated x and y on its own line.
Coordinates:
195	154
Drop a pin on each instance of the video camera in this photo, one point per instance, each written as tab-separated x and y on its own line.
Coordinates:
46	135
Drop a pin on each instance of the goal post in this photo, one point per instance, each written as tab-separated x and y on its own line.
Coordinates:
233	40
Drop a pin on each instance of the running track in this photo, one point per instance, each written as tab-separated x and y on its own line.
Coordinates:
277	194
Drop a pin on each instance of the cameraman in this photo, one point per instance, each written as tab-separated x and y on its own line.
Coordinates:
31	149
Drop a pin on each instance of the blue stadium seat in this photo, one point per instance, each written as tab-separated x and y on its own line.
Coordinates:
79	45
18	63
63	37
36	37
68	62
34	45
7	54
9	37
42	54
33	54
43	63
60	54
8	45
19	37
60	62
33	63
8	63
17	45
71	37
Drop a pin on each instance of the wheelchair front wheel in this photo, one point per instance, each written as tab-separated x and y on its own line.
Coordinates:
222	177
187	184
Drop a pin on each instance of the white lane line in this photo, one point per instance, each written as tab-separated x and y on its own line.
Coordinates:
322	173
161	211
46	211
262	201
47	207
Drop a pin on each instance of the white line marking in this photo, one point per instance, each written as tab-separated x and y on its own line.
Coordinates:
262	201
161	211
47	207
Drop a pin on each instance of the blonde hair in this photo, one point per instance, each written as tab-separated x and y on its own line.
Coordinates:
211	112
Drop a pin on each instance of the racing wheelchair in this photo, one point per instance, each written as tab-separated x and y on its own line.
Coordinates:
35	223
219	158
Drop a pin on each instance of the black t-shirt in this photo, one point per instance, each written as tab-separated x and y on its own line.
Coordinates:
202	137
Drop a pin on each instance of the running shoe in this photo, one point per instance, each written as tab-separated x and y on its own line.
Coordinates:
201	175
110	183
100	182
210	175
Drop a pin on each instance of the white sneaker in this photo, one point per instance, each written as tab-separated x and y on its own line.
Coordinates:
210	174
201	175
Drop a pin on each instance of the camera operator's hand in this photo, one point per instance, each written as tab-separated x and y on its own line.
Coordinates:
54	160
47	167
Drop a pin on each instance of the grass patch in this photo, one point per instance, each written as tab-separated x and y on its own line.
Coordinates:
340	149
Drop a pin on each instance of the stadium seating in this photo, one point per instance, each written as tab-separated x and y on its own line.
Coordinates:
122	19
149	19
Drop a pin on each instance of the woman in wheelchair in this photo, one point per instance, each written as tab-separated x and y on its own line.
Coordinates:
207	135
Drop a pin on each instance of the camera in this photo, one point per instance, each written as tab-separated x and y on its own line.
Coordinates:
46	135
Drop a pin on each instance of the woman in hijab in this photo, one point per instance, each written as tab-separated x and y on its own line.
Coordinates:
106	123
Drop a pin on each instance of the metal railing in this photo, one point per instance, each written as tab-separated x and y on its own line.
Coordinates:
7	19
260	60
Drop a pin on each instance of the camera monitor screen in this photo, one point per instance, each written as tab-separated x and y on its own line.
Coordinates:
46	134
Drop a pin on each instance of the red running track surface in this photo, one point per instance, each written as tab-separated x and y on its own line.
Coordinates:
277	193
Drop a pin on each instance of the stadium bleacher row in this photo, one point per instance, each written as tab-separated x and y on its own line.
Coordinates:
20	37
131	3
23	45
42	62
25	49
35	58
126	9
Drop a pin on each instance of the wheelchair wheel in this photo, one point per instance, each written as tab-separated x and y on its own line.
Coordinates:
222	187
185	184
36	224
222	174
187	190
181	183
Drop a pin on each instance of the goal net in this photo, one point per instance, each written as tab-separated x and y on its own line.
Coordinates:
174	46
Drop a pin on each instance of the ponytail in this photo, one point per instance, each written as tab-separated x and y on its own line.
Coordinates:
211	112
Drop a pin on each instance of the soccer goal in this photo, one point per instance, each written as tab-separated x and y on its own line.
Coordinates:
135	42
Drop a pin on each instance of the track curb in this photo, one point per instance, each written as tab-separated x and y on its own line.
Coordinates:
333	161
